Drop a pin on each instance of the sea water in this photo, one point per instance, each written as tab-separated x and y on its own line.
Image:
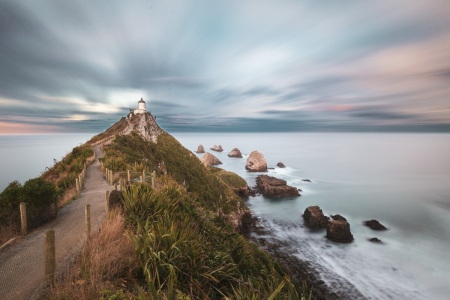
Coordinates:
23	157
402	180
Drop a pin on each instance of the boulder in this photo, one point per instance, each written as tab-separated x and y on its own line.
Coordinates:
200	149
314	217
273	187
256	162
210	160
235	153
339	230
217	148
281	165
374	225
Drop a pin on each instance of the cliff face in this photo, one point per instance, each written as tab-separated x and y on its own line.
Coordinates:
145	125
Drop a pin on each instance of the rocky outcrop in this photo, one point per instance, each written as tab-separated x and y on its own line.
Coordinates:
314	217
210	160
200	149
145	125
374	225
273	187
217	148
256	162
235	153
281	165
338	230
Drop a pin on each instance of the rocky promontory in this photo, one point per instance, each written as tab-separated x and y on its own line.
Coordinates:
256	162
273	187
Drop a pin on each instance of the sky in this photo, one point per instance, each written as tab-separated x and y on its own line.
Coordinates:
351	65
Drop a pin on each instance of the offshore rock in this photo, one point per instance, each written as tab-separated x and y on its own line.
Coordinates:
217	148
339	230
200	149
281	165
273	187
210	160
374	225
375	240
314	217
235	153
256	162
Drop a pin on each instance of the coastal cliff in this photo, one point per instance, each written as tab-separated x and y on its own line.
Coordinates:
185	226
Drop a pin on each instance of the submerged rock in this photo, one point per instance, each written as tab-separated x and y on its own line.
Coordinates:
281	165
217	148
306	180
200	149
256	162
339	230
210	160
273	187
375	240
235	153
314	217
374	225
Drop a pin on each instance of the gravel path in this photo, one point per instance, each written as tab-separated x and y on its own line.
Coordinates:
22	264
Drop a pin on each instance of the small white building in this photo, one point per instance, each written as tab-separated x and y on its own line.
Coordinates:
141	108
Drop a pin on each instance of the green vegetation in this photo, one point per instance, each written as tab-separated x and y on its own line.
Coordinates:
39	195
116	129
186	246
65	172
168	156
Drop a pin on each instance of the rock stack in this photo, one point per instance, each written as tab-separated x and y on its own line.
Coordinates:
235	153
256	162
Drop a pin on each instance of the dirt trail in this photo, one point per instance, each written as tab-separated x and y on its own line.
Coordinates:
22	264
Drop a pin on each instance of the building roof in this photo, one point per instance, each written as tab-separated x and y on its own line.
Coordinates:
141	101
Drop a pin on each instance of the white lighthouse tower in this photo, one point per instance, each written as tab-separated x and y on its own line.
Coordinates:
141	108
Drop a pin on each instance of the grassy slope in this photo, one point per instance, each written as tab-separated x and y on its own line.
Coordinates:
182	231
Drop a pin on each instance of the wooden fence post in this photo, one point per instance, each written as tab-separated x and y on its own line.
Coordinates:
128	175
23	217
87	212
140	177
50	257
143	174
111	176
107	201
77	184
153	179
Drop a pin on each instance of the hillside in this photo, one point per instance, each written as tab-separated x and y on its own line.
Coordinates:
184	234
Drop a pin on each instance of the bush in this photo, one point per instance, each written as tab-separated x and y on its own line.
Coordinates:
39	195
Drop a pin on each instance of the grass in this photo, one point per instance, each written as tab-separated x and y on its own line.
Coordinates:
108	262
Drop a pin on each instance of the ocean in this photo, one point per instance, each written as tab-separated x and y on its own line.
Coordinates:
402	180
23	157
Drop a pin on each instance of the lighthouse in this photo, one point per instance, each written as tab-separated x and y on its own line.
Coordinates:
141	108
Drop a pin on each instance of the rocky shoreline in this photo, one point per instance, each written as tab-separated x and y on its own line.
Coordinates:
301	271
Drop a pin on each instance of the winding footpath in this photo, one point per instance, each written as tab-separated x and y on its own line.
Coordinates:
22	264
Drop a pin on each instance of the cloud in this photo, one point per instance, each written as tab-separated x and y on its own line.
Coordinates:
320	65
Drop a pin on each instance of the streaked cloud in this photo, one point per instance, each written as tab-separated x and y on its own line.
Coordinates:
224	65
